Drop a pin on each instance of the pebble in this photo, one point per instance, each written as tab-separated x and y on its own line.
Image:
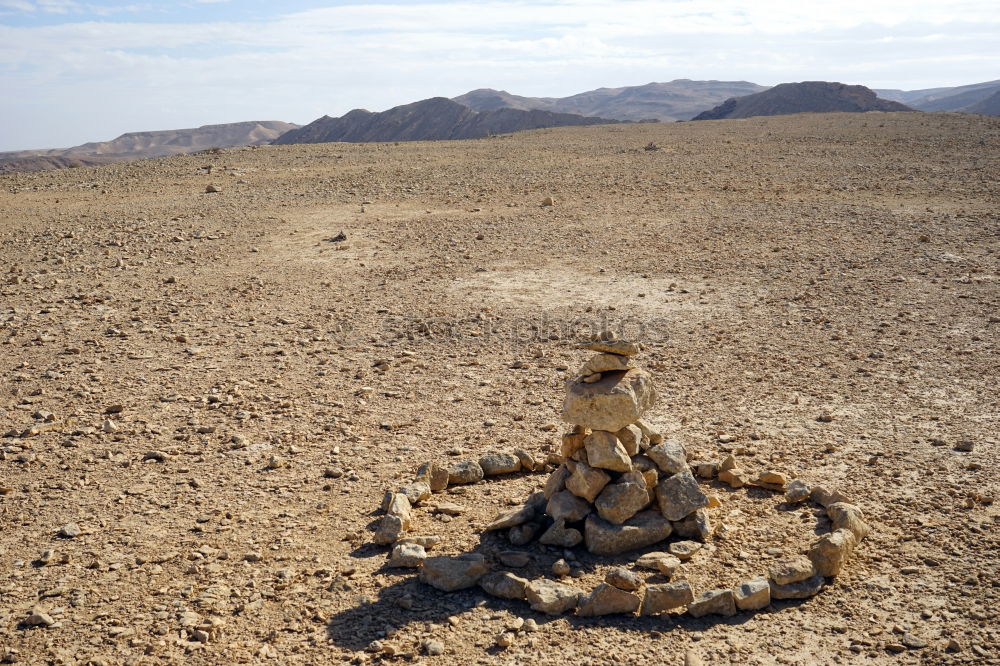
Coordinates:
623	579
432	647
70	531
684	550
560	568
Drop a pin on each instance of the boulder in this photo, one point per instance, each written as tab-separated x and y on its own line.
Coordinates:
679	495
643	529
449	574
611	403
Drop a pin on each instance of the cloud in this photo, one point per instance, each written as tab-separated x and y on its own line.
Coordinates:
298	65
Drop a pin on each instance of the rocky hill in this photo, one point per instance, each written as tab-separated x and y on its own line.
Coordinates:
989	106
803	97
955	98
680	99
142	145
437	118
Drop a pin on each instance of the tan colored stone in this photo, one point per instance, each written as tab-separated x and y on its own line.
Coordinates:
547	596
754	594
449	574
617	400
630	438
734	478
791	570
665	563
504	585
571	443
641	530
669	456
666	596
607	599
495	464
434	474
620	501
800	590
619	347
713	602
606	363
831	551
679	495
556	481
464	471
606	452
585	481
847	516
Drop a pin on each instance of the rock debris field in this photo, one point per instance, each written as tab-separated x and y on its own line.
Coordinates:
281	404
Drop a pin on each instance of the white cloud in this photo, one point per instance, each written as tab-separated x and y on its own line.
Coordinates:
298	66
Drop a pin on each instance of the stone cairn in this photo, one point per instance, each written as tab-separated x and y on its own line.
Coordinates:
617	486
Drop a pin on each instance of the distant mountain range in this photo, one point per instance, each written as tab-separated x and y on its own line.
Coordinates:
680	99
957	98
437	118
142	145
803	97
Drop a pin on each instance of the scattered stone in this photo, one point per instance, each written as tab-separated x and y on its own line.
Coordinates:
464	471
407	555
665	563
39	619
518	515
713	602
734	478
754	594
432	647
448	509
494	464
586	481
617	400
669	456
514	558
427	542
416	492
623	579
684	550
666	596
797	492
679	495
434	475
771	481
522	535
965	446
830	553
390	529
800	590
547	596
643	529
449	574
607	599
560	568
560	535
504	585
606	452
825	497
698	525
847	516
212	188
912	642
728	463
70	531
705	470
792	570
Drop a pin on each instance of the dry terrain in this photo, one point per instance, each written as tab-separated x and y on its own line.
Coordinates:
216	395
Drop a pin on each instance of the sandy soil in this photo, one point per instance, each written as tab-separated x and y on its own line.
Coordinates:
777	270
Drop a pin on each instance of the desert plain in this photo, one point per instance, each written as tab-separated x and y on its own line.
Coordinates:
203	396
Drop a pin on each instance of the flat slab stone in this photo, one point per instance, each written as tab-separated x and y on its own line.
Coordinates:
801	590
680	495
616	400
607	599
753	594
449	574
619	347
643	529
548	596
713	602
666	596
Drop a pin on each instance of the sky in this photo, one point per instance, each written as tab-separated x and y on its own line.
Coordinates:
73	71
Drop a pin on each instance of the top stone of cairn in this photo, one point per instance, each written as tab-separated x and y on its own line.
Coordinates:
620	347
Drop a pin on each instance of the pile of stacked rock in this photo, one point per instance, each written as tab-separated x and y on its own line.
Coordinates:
620	486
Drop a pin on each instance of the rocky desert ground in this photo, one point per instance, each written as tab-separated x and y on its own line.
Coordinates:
204	396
